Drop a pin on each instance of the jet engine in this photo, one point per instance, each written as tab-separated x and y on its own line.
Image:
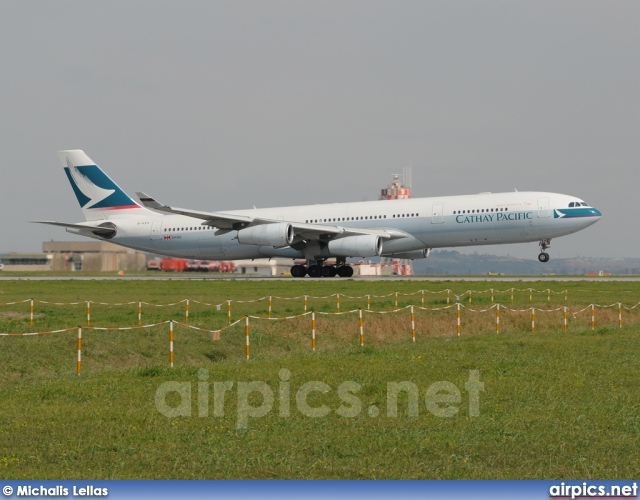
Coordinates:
356	246
416	254
276	235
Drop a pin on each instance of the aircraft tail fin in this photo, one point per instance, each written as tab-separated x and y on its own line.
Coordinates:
98	196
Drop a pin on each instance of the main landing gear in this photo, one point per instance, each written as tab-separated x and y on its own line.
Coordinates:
317	269
543	256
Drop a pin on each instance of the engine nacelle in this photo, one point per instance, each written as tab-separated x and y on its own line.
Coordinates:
106	230
275	235
367	245
417	254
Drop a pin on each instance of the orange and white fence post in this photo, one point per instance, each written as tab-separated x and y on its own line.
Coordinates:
361	329
396	305
422	298
448	296
186	312
512	295
31	313
338	302
458	313
171	343
305	303
228	312
139	313
533	320
548	294
619	314
413	325
269	306
246	334
470	296
492	295
88	313
565	318
593	316
497	318
530	295
79	348
368	302
313	331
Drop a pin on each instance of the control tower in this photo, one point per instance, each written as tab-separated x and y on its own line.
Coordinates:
398	190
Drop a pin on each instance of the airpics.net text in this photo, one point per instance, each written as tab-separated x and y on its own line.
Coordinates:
257	398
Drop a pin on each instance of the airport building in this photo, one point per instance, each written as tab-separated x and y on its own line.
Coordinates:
76	256
23	261
93	256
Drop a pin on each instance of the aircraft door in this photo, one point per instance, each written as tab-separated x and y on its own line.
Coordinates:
436	213
543	207
156	230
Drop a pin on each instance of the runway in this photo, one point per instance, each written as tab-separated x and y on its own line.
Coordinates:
177	277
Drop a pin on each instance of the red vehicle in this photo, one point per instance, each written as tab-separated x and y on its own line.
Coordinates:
153	264
174	265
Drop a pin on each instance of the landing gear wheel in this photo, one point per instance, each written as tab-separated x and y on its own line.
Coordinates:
314	271
345	271
329	272
543	257
298	271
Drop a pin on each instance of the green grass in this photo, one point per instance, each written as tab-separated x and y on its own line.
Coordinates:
555	405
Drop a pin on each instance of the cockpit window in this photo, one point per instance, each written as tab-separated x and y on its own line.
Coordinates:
571	205
584	204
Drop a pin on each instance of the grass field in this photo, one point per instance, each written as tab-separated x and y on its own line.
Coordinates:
555	404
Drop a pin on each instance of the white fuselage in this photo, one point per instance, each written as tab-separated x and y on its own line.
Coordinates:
447	221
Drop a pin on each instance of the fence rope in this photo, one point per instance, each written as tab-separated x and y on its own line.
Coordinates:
216	333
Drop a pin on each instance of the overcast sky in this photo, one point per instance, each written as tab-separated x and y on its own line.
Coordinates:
224	105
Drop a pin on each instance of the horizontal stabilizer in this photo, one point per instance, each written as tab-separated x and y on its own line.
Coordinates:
105	232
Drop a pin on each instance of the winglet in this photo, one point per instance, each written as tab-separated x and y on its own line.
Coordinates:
147	201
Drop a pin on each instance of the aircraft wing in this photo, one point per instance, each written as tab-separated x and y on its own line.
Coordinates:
215	219
304	231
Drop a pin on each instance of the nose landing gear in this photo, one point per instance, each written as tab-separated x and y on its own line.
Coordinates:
543	256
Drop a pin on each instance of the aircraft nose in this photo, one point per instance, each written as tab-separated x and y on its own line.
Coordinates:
596	212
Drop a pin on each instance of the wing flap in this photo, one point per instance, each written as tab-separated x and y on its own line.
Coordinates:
322	232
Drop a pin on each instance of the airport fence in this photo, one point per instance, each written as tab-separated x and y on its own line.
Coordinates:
307	302
458	319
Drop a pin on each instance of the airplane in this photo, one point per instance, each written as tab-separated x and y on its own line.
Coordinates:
405	229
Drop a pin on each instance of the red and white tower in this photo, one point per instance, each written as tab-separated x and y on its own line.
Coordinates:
399	190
